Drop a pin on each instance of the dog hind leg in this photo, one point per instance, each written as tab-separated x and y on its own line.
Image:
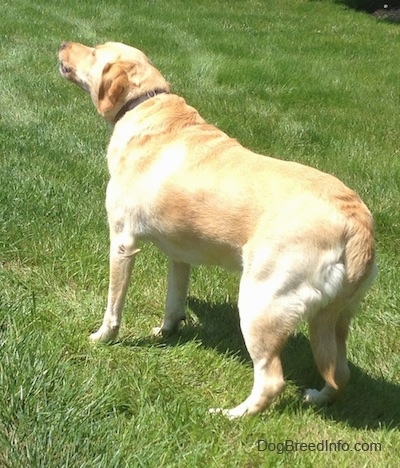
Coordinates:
265	325
328	334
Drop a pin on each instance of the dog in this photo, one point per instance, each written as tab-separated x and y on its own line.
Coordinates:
302	241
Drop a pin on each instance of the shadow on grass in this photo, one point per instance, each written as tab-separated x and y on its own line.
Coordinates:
388	11
368	403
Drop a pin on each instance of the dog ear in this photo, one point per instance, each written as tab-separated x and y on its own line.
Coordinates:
113	83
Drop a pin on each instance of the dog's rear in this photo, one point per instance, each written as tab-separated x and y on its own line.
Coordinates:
302	240
329	327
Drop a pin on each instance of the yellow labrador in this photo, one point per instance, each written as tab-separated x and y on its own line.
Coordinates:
301	239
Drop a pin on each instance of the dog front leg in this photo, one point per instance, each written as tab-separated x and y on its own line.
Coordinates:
122	254
178	283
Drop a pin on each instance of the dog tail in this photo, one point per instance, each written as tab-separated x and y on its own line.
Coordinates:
360	251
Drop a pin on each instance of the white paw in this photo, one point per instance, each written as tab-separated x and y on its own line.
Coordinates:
224	412
104	335
163	331
312	396
230	414
157	331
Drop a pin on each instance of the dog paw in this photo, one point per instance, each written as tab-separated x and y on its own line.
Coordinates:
104	335
214	411
157	331
324	397
166	331
160	332
230	414
312	397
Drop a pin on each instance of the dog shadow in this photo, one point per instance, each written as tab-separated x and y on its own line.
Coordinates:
368	403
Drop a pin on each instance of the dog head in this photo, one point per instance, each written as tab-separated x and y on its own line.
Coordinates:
112	73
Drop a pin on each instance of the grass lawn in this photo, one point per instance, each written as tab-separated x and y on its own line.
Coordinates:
310	81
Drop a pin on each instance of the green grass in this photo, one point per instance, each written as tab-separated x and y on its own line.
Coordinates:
309	81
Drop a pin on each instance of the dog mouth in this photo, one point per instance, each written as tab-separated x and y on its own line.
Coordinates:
64	69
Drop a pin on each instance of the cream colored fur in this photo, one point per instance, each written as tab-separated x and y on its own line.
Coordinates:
301	240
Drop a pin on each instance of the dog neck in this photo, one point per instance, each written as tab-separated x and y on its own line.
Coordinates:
132	103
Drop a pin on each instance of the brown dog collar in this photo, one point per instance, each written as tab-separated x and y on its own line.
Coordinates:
132	103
